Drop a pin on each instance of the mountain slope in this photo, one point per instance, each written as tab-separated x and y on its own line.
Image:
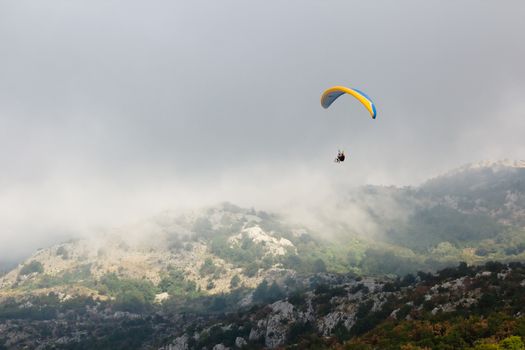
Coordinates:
456	308
152	249
493	188
471	214
229	276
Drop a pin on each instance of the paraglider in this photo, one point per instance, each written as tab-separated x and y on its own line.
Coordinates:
330	95
340	157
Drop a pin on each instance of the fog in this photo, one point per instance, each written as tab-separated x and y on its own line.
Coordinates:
115	110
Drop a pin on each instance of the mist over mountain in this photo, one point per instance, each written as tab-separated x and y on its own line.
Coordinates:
471	214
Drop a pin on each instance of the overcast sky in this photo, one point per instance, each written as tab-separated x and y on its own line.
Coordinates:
110	110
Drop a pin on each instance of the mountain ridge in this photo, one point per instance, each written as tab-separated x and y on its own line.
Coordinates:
211	246
230	277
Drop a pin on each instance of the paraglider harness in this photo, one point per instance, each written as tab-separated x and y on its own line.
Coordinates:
340	157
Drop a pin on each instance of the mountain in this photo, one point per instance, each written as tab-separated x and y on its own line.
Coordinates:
474	214
208	248
152	282
493	188
466	307
456	308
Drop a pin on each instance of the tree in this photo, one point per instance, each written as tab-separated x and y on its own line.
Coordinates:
234	282
512	343
33	266
319	265
208	268
61	251
251	269
259	294
487	347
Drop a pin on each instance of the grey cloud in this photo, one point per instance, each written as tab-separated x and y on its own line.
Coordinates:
131	101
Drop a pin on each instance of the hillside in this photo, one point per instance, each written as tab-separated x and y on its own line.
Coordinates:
457	308
472	214
225	259
471	308
496	189
208	248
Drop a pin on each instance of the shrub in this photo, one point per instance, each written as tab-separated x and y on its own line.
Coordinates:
251	270
176	284
61	251
132	295
234	283
512	343
33	266
208	268
319	265
210	285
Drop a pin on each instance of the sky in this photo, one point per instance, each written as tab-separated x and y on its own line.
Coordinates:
114	110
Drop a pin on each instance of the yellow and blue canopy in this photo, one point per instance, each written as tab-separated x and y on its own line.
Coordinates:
331	94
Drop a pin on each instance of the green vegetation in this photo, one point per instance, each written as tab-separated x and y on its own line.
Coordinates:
175	284
242	254
80	275
203	228
235	281
267	294
495	321
205	305
418	229
130	294
498	332
318	255
62	251
431	238
428	227
32	267
43	307
208	268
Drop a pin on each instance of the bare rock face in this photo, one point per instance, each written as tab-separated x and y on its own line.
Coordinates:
240	342
272	245
220	347
258	331
274	327
180	343
277	325
330	321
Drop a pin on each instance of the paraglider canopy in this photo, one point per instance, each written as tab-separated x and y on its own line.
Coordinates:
331	94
